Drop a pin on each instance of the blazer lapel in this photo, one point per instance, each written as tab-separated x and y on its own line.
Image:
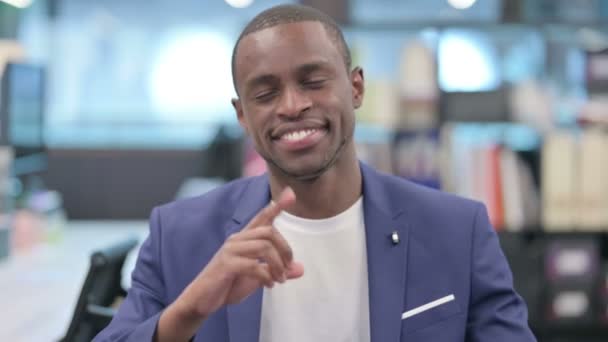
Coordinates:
386	260
244	318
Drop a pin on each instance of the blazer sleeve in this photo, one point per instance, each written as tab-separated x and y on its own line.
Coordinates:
496	313
138	315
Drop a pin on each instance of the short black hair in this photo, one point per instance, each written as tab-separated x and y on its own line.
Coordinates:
286	14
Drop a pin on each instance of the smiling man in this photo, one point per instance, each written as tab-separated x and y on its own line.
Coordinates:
322	247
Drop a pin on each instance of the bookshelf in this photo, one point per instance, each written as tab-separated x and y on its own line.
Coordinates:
529	254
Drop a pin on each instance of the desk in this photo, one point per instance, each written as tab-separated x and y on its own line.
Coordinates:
39	288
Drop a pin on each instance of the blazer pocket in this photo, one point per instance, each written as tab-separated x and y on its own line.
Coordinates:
427	314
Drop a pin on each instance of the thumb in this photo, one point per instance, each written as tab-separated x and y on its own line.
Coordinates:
295	270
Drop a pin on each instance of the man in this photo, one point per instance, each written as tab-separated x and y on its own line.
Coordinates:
322	248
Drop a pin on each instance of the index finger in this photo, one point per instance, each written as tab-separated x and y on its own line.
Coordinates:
272	210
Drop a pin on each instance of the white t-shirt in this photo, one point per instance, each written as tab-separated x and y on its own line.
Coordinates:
330	302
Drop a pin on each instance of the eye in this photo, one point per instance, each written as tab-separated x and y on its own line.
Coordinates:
314	83
265	96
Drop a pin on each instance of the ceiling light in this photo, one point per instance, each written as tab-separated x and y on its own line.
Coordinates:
239	3
18	3
461	4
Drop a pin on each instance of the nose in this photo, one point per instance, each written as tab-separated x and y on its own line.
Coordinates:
292	103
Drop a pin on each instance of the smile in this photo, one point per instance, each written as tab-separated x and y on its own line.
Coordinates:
298	135
300	139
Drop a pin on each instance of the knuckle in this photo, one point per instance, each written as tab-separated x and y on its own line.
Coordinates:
264	213
266	245
267	211
266	231
273	233
228	246
220	260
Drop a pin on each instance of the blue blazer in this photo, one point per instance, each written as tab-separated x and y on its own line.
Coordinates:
447	250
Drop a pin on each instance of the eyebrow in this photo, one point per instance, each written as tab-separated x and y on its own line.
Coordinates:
261	80
311	67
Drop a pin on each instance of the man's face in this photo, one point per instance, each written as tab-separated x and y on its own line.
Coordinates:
296	97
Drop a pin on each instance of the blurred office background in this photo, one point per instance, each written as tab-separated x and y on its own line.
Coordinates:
108	108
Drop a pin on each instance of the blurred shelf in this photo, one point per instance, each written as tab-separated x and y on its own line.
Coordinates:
572	330
538	232
372	133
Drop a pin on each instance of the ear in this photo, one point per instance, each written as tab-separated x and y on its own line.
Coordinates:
238	107
358	84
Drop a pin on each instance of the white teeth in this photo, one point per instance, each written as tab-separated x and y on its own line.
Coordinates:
298	135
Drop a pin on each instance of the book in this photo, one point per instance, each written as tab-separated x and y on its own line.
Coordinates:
592	183
558	181
514	217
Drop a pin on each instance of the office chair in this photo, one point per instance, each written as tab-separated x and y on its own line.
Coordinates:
101	288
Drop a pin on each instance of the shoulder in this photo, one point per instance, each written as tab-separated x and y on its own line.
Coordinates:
419	199
432	215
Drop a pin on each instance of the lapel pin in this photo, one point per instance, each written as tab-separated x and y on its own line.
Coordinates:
395	238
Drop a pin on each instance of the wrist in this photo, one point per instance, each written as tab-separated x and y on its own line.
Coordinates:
184	310
177	323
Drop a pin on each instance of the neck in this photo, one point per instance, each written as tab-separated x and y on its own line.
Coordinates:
328	195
